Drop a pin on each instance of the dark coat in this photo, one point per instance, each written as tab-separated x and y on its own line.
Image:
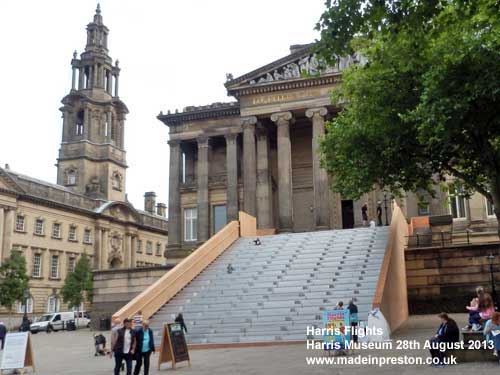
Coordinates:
139	337
3	331
120	336
450	332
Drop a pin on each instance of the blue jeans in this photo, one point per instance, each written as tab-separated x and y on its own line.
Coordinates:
474	318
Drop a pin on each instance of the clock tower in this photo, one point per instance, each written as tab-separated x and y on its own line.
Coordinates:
92	155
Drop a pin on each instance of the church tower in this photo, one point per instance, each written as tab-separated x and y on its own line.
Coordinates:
92	154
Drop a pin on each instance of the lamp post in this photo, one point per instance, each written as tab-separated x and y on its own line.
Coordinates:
25	324
385	207
491	258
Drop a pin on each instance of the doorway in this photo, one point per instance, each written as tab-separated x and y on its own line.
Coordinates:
347	214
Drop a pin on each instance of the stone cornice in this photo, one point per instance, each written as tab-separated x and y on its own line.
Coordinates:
297	83
201	113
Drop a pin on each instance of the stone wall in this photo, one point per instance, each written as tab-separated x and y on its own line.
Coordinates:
444	279
115	288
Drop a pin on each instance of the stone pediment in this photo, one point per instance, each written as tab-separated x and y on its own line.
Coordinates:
301	64
120	211
7	183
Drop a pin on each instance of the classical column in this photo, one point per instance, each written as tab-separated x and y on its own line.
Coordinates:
98	249
263	187
8	232
203	205
65	133
104	249
116	85
285	196
109	120
73	78
81	75
2	226
174	196
320	177
86	123
249	165
232	176
128	250
95	76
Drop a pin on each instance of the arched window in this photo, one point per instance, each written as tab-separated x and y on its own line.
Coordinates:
116	181
53	304
71	175
21	307
79	123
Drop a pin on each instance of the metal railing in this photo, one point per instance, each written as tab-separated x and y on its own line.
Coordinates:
445	238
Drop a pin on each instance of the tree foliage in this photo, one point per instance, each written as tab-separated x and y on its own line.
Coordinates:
78	284
13	280
425	106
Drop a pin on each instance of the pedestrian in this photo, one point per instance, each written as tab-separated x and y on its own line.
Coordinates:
124	347
340	306
180	320
364	214
353	315
138	320
3	333
144	347
379	213
447	332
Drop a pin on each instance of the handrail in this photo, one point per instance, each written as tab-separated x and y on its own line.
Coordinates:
449	238
391	294
155	296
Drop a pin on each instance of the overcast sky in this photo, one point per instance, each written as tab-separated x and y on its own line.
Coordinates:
173	53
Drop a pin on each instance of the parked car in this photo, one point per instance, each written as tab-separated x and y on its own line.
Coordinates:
58	321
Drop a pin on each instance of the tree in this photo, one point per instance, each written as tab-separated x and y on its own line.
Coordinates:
425	106
78	284
13	281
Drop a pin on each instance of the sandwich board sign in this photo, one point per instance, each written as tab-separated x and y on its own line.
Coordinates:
337	333
173	346
18	352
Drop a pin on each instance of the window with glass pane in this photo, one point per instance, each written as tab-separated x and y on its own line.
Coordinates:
56	230
158	249
54	266
72	233
149	247
490	209
138	246
53	304
71	264
39	226
21	306
37	265
20	223
87	236
458	203
220	217
190	224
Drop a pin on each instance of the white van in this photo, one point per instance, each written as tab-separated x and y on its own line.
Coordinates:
58	321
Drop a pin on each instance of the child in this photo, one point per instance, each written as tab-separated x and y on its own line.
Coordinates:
99	340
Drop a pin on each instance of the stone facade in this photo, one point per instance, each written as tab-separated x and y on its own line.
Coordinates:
86	212
260	154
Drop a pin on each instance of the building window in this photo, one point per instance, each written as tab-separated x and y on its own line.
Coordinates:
71	264
20	221
138	246
21	306
71	177
87	236
56	230
423	209
149	248
490	209
158	249
39	227
458	205
220	217
37	265
72	233
53	304
190	224
79	123
54	267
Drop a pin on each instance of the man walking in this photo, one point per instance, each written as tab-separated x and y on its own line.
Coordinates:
145	346
3	333
124	347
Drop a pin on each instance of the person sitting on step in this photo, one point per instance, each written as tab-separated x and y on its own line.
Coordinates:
481	309
492	332
447	332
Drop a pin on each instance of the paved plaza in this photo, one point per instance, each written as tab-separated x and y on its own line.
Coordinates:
71	353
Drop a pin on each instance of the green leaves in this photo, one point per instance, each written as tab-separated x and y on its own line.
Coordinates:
78	284
426	105
13	280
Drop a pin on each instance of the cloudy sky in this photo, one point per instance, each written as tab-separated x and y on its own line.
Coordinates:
173	53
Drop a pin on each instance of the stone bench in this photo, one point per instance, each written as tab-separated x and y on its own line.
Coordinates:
472	355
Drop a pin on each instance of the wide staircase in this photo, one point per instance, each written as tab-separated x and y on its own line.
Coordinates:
278	288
